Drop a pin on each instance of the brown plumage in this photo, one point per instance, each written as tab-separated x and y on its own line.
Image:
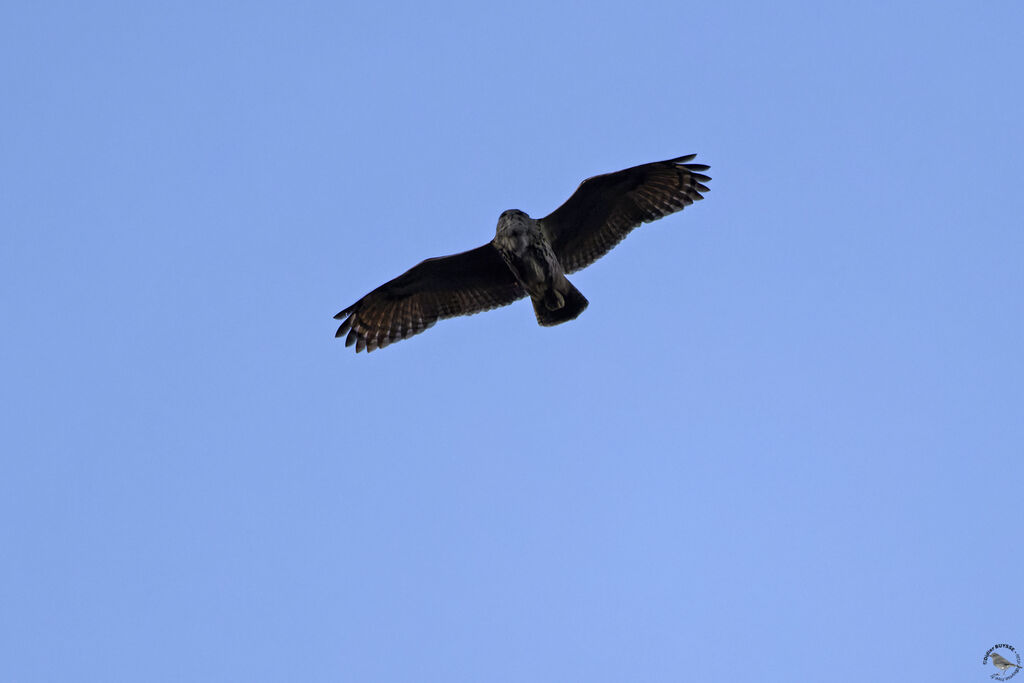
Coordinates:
602	211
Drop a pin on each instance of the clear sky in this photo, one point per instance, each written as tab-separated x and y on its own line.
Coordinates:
784	442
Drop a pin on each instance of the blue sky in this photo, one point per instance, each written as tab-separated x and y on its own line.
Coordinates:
783	443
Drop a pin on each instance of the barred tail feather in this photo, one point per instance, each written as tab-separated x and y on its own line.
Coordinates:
574	303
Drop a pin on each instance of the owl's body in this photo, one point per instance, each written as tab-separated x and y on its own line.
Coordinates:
526	251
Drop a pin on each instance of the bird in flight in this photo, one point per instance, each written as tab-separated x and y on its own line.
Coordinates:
527	257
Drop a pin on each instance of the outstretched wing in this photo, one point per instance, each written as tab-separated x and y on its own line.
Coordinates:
605	208
444	287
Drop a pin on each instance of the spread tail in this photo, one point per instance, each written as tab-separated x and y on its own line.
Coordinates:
573	304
